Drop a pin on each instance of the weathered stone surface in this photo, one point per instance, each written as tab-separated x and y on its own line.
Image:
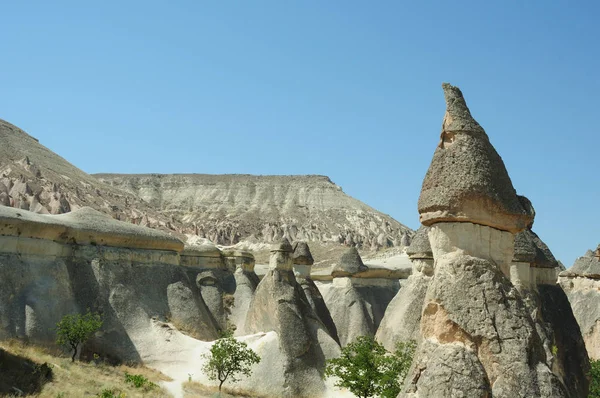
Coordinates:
45	274
302	254
485	316
402	318
420	247
566	347
581	284
280	305
350	263
357	305
84	226
543	256
467	180
525	248
482	335
246	282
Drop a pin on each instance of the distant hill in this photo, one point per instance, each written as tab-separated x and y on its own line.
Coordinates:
234	207
227	209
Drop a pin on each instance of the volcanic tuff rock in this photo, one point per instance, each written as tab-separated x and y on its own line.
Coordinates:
478	337
52	265
402	318
356	304
230	208
581	283
467	180
280	305
303	262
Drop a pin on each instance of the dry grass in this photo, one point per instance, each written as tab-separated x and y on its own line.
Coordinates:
80	379
192	389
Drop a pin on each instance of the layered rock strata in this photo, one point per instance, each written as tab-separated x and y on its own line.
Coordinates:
581	284
280	305
357	304
263	208
402	318
478	337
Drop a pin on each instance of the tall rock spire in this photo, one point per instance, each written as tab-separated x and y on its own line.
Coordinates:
467	180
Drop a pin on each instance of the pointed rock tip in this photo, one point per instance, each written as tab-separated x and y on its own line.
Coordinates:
302	254
282	246
350	263
458	116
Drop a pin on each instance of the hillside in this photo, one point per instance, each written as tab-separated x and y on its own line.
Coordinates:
34	178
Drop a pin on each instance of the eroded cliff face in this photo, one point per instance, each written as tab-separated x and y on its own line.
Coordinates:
581	283
230	208
51	266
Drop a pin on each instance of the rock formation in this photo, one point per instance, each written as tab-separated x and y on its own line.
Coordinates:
303	262
264	208
246	282
402	319
53	265
280	305
534	273
581	283
478	337
356	302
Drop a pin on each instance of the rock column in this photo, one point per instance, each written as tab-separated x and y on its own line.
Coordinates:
478	339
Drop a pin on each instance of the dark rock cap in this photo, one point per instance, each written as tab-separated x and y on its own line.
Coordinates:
282	246
302	255
420	247
350	263
467	180
543	256
525	248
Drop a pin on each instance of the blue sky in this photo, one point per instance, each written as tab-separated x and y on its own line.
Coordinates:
348	89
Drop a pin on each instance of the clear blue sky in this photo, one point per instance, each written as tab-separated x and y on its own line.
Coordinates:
349	89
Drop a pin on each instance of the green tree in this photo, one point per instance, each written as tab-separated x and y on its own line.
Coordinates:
229	358
74	329
396	367
367	369
594	379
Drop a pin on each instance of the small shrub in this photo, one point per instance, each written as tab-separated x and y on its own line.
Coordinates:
229	357
75	329
594	379
111	393
367	369
139	381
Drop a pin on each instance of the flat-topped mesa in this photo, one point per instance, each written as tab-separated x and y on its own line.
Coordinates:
467	180
281	256
350	263
302	259
84	226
